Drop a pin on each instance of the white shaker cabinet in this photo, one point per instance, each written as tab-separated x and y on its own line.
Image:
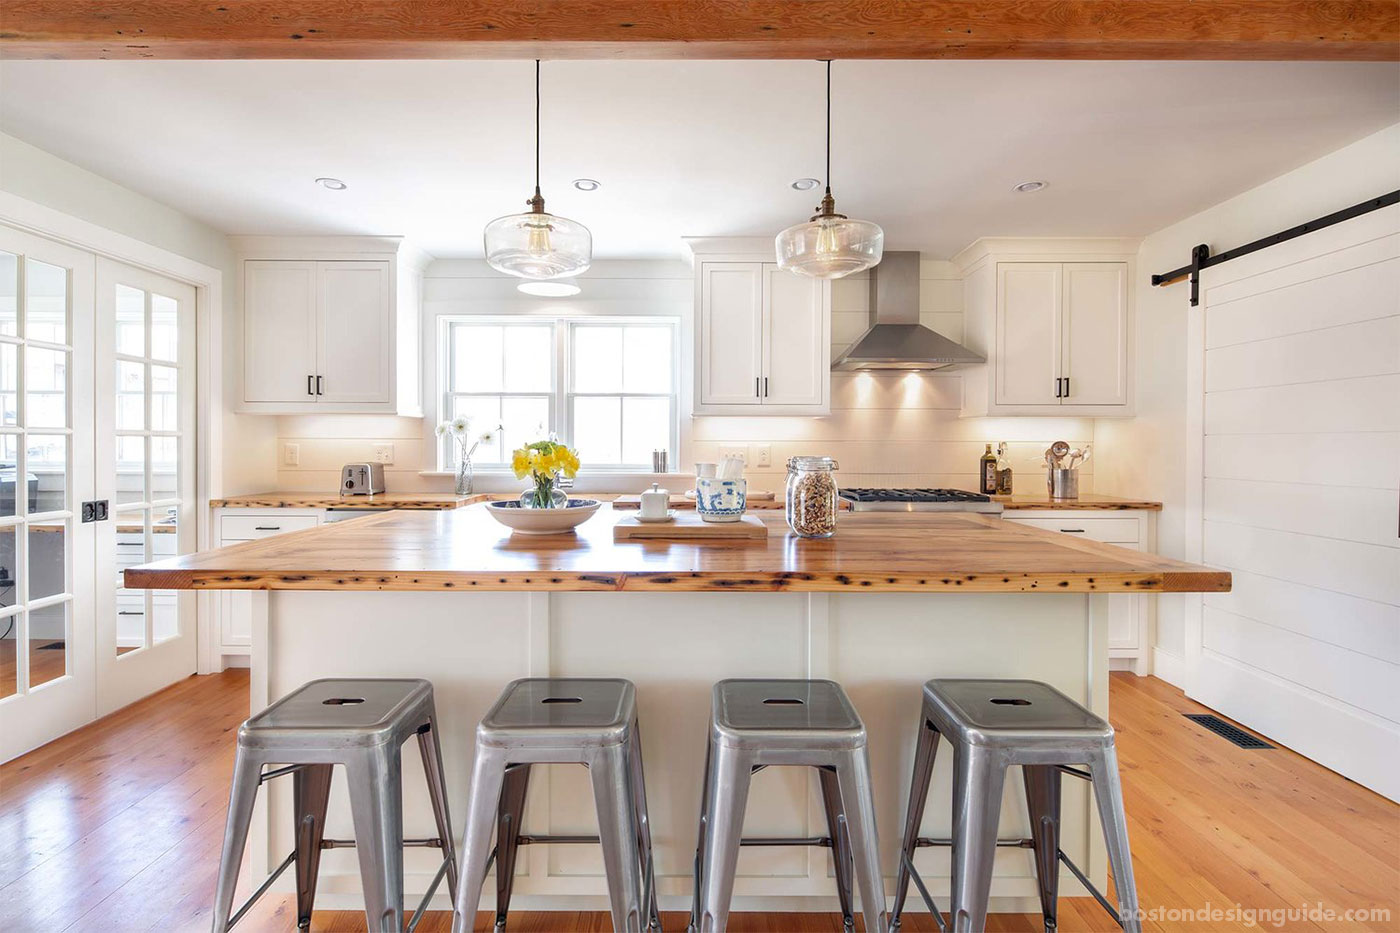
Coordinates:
1057	334
330	324
762	335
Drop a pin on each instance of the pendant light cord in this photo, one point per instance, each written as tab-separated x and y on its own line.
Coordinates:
537	123
828	126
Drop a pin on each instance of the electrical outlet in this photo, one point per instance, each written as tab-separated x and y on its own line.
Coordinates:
741	452
762	454
383	453
291	454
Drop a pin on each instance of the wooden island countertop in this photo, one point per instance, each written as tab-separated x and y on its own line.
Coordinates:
466	549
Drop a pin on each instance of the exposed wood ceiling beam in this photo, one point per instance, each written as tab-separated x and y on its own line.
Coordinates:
1354	30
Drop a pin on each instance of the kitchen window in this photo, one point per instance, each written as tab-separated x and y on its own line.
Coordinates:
606	386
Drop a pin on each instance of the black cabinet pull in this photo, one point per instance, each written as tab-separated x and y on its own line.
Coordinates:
765	386
1057	387
318	385
267	527
1066	387
1072	531
755	387
309	390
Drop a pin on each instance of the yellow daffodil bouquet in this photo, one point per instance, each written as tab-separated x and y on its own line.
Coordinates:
543	461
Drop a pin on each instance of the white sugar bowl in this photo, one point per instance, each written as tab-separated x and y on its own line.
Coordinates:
655	503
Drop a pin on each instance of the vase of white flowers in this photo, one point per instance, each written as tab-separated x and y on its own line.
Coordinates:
460	430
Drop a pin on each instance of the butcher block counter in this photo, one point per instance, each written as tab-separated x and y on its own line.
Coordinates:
467	549
892	600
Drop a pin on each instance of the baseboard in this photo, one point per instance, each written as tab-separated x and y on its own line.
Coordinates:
1169	667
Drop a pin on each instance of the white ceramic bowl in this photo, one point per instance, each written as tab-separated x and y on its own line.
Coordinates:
543	521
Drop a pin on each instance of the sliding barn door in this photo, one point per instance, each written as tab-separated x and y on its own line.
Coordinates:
1297	392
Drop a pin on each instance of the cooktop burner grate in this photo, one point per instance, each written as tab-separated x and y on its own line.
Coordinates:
870	494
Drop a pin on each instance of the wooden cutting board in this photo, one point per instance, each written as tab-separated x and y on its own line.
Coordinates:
688	526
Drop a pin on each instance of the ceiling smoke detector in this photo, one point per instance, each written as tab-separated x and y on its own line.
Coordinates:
587	184
1026	187
334	184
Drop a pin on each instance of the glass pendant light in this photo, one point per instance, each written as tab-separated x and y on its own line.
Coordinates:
830	245
536	244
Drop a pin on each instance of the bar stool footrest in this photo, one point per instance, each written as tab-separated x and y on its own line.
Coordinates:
1098	895
262	889
923	893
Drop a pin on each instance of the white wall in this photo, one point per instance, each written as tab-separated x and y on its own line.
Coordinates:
35	175
890	429
1147	454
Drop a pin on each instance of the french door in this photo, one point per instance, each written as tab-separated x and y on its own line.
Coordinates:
96	404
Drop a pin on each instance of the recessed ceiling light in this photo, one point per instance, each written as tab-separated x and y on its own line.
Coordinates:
1026	187
587	184
549	289
805	184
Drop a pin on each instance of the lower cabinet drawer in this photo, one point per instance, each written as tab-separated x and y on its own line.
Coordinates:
1107	530
252	527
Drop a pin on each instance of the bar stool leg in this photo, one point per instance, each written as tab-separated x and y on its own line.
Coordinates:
1108	792
311	790
840	842
1043	803
376	806
610	771
431	750
488	775
509	818
726	799
978	775
858	803
703	823
639	804
247	772
925	750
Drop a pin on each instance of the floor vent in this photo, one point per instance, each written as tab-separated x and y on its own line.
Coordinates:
1222	728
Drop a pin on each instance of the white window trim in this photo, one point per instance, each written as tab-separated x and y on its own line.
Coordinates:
561	394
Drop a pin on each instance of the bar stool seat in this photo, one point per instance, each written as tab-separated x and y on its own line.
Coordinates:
758	723
359	724
992	725
591	722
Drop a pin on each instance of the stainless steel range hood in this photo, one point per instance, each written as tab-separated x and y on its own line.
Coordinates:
896	339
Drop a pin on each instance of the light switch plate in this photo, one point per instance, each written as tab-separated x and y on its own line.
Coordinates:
741	452
762	454
383	453
291	454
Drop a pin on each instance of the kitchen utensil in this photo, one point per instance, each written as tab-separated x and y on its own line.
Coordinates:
361	479
1063	483
720	500
706	469
689	526
1059	449
542	521
658	461
655	502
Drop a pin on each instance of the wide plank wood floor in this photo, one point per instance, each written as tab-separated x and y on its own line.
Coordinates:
117	826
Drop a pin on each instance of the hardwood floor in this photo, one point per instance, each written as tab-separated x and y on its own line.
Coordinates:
117	827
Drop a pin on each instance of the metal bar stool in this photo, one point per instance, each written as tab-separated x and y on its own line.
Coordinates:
757	723
560	721
361	725
992	725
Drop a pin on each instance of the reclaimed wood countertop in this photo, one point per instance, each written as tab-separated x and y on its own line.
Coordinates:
1092	501
466	549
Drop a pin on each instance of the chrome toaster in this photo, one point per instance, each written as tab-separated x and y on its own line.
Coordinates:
361	479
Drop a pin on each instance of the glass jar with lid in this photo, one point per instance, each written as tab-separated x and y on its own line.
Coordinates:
811	496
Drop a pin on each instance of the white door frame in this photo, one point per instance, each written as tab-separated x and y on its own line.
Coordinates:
208	282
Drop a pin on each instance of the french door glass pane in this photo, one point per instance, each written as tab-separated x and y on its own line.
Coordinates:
131	604
46	302
9	383
131	396
48	564
131	321
165	381
49	635
164	469
131	470
45	387
9	663
46	464
165	334
9	294
9	467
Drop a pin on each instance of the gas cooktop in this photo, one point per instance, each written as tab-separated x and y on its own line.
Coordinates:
918	500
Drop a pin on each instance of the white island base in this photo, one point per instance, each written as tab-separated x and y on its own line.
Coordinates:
674	646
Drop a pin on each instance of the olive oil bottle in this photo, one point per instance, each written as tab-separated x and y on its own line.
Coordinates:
988	472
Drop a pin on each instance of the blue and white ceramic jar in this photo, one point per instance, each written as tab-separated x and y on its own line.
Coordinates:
720	500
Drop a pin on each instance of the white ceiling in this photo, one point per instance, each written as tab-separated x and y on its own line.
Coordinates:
930	150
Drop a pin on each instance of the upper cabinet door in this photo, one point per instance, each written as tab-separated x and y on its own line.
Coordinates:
1028	328
795	339
730	357
353	347
1095	354
279	331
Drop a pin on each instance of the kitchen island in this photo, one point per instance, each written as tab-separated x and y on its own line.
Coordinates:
887	603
